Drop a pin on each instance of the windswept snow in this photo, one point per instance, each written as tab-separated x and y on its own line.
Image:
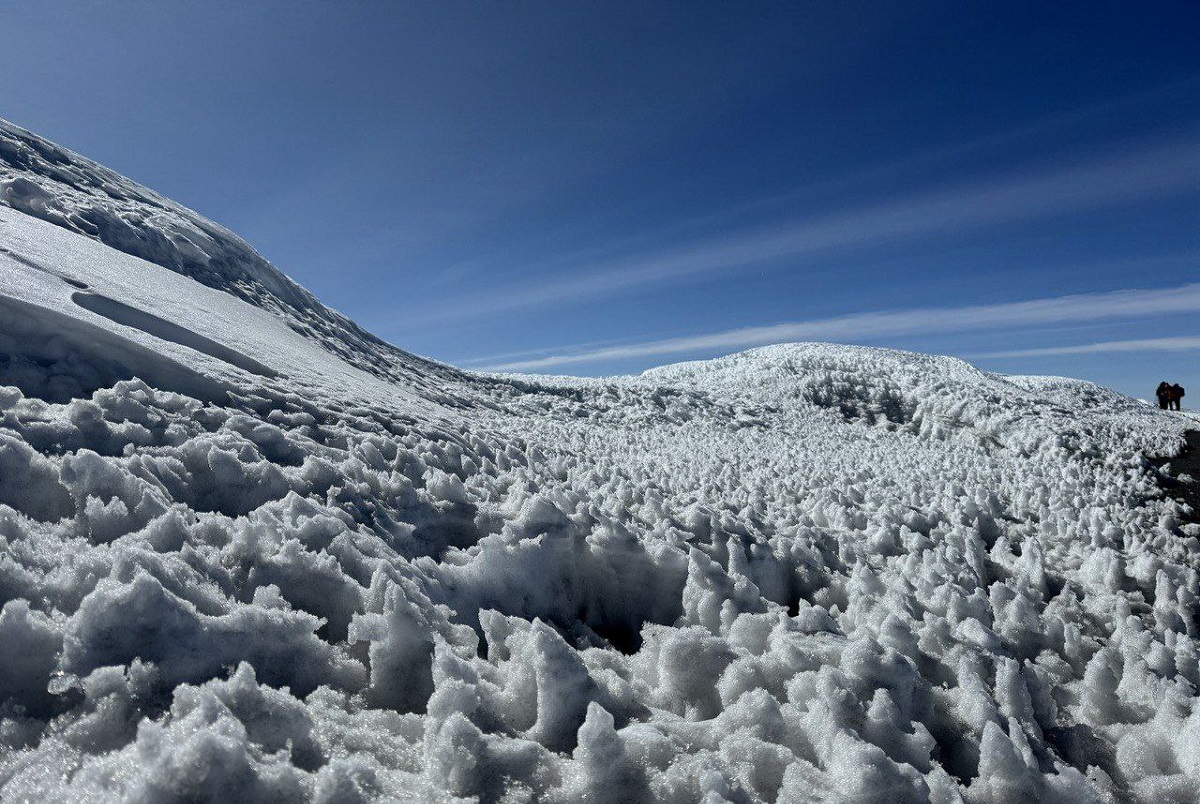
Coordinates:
121	313
249	552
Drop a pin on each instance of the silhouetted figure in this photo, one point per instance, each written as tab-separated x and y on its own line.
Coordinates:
1163	392
1177	396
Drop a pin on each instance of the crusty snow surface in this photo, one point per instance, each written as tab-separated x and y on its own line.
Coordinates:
251	552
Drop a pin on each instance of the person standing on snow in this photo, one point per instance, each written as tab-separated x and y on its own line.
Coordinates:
1177	396
1163	392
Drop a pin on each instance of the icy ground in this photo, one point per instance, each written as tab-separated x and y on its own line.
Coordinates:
251	552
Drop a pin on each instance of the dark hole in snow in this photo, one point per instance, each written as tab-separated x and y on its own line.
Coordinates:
1082	748
958	757
151	324
1054	585
624	637
442	531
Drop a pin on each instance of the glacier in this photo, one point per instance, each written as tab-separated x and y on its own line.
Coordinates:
252	552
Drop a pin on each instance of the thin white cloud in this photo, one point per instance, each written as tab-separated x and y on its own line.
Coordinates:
1184	343
504	357
1112	305
1104	180
912	167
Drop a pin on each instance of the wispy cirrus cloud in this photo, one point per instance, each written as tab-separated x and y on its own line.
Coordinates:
1183	343
1076	308
1154	170
911	167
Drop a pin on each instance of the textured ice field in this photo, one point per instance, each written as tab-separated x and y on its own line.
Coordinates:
250	552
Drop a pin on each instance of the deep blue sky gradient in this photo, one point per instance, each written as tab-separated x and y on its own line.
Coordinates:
495	183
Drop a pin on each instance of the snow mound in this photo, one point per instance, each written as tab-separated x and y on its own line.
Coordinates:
249	553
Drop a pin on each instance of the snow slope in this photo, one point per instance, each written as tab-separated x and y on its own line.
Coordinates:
250	552
46	181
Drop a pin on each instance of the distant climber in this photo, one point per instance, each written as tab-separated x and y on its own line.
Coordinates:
1176	396
1163	392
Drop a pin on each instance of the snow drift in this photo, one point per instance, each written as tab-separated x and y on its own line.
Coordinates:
250	552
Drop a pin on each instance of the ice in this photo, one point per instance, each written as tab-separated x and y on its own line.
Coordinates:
250	552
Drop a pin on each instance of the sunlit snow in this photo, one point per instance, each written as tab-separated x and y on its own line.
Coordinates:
251	552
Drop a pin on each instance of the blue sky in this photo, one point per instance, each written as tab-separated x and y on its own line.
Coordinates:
599	188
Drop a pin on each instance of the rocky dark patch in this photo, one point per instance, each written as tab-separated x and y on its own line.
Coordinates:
1187	462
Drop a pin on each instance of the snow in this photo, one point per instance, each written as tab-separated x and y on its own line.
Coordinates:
250	552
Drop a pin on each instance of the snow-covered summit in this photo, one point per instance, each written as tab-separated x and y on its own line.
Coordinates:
923	393
249	552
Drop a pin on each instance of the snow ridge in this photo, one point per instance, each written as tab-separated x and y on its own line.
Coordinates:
249	553
51	183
